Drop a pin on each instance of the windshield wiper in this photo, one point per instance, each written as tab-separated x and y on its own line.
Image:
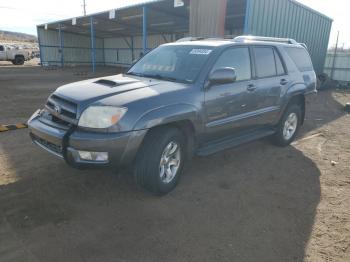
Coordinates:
135	74
158	76
166	78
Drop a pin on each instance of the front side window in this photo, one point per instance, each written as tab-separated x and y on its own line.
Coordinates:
237	58
179	63
1	48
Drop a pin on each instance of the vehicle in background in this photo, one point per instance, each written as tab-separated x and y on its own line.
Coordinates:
16	56
189	97
35	54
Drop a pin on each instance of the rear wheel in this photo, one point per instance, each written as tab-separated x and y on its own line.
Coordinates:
288	127
160	160
19	60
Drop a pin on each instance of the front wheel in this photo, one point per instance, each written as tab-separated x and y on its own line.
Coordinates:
160	161
288	127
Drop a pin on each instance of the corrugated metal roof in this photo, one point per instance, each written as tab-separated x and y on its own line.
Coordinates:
121	7
310	9
163	18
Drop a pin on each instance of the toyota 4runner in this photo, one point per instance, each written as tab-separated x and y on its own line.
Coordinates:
192	97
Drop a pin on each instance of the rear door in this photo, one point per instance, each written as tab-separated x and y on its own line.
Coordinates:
271	77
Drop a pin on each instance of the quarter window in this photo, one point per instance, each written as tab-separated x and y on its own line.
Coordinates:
300	57
237	58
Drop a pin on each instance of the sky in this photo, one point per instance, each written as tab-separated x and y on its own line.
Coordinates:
23	15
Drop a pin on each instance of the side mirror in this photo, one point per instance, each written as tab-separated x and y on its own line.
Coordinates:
223	75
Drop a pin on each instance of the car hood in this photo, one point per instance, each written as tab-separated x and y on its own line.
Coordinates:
91	90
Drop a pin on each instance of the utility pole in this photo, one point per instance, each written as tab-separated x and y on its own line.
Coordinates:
334	58
84	7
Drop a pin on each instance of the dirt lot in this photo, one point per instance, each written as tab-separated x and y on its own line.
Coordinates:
252	203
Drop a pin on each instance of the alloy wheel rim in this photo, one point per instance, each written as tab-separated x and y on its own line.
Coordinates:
169	162
290	126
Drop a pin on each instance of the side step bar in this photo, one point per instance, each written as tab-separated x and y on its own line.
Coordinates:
230	142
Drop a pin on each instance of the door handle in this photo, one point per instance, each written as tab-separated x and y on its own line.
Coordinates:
284	82
251	87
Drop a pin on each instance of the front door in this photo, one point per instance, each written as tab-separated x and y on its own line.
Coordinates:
2	53
226	105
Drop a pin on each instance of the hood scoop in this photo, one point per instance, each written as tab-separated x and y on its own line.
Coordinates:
111	83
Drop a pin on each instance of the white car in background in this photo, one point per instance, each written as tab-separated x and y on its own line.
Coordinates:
17	57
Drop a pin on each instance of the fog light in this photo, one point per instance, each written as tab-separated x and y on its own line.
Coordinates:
94	156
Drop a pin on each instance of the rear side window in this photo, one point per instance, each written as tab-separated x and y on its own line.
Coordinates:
300	57
237	58
265	62
1	48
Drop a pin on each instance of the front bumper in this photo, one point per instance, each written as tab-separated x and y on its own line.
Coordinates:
65	142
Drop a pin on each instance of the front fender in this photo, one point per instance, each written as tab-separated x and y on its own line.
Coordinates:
169	114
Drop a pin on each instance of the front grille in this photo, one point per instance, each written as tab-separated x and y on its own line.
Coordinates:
67	109
51	120
48	145
59	121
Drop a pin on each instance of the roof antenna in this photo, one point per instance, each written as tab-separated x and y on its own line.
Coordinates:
84	7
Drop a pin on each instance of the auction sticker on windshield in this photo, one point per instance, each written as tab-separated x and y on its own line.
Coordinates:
200	51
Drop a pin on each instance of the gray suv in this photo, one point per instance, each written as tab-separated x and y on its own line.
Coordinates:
191	97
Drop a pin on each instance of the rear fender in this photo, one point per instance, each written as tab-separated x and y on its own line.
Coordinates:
293	91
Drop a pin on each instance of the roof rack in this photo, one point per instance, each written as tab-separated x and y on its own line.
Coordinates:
199	38
244	38
303	45
265	39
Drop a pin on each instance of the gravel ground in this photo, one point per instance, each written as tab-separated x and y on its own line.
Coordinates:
256	202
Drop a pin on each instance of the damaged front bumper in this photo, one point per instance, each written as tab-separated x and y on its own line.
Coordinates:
82	148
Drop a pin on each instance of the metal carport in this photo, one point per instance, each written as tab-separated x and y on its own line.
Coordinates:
119	36
114	37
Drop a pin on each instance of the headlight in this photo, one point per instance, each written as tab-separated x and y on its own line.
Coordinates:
101	116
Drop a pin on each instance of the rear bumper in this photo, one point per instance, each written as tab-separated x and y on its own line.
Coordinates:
65	143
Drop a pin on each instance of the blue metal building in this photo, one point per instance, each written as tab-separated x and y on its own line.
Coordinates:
117	37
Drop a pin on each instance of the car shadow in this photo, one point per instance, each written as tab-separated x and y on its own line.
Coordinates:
256	202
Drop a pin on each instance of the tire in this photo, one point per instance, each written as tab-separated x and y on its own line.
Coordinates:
153	158
284	136
19	60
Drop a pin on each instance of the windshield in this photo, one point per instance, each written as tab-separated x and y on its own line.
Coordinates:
177	63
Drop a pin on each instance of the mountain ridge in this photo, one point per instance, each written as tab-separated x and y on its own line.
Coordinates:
16	36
